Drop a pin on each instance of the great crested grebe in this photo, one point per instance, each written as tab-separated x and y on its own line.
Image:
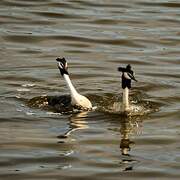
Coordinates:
127	76
77	100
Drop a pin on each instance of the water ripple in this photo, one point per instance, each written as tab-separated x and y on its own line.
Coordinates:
95	37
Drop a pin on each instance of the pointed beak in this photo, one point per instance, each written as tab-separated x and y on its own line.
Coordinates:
132	77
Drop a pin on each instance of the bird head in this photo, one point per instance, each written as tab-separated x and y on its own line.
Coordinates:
129	72
62	65
127	76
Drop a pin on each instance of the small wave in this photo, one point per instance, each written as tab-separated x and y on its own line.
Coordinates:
30	113
23	90
28	85
53	113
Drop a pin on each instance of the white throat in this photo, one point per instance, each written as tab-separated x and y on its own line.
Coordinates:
125	103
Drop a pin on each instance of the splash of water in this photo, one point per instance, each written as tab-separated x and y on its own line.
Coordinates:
116	108
107	103
138	107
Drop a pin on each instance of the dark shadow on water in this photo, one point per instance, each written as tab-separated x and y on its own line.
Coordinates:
76	122
128	127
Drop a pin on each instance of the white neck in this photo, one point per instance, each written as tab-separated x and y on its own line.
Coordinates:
70	85
125	99
76	98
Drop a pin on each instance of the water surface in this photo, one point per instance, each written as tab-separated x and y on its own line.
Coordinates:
96	37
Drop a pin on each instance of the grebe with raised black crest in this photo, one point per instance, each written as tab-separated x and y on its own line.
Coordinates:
77	100
127	76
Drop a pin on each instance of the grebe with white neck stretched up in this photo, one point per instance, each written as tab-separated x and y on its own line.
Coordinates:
127	76
77	100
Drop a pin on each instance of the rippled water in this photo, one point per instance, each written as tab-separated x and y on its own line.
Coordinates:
96	37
